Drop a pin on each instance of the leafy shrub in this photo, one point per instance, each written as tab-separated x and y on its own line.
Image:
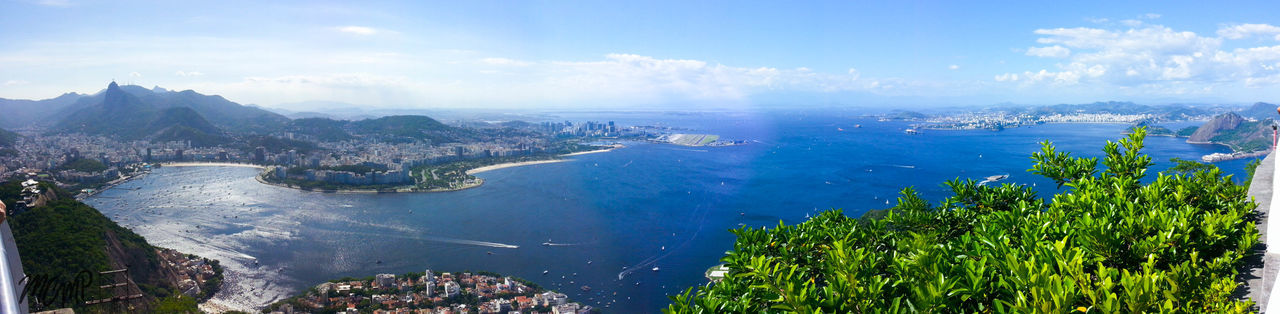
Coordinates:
1108	244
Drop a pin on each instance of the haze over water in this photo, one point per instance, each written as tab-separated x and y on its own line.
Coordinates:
615	214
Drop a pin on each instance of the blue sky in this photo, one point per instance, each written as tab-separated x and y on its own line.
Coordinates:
650	54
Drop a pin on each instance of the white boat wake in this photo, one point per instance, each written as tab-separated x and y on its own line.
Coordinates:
702	213
440	239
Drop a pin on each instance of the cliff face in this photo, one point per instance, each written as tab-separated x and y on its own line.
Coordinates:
1235	132
1220	124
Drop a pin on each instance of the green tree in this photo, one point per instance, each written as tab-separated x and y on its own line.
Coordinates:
1183	166
176	304
1106	244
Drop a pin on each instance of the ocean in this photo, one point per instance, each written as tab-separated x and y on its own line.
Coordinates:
612	217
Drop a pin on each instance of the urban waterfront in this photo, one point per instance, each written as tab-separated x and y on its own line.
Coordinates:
607	216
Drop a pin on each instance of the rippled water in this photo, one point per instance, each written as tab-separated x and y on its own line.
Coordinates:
611	215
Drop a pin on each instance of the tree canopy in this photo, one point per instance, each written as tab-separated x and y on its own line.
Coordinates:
1107	243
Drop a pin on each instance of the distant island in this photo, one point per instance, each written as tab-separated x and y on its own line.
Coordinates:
999	118
1246	132
465	292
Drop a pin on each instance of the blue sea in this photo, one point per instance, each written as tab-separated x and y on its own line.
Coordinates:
613	217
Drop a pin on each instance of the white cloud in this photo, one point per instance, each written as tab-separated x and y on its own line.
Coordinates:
1150	16
357	30
1131	23
135	74
504	62
1007	77
1249	30
953	67
55	3
614	80
15	82
1054	51
1152	58
188	74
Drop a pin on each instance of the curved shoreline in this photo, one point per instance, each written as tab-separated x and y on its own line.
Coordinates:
405	189
513	164
210	164
411	189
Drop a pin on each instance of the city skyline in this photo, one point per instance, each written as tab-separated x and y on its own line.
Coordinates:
711	55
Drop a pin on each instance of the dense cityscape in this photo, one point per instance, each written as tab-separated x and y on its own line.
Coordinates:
92	161
428	292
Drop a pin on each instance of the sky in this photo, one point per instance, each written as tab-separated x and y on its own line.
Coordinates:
648	54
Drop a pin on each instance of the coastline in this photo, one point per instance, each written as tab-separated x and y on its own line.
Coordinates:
513	164
536	162
210	164
611	147
404	189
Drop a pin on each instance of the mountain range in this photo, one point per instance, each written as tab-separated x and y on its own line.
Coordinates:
132	112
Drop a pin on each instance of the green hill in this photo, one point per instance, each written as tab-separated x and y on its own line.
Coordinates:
22	113
226	114
65	237
126	116
1260	111
322	129
405	128
8	138
1234	131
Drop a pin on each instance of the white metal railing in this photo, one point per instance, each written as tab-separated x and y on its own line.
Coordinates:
11	274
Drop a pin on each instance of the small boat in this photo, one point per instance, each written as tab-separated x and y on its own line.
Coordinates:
490	252
588	262
655	268
545	272
664	247
586	288
379	261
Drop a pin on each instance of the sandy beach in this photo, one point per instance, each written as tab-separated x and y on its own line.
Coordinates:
210	164
535	162
512	164
591	151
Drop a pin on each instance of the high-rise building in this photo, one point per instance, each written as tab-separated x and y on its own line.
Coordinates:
385	280
260	154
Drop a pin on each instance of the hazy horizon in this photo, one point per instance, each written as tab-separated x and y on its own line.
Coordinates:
713	55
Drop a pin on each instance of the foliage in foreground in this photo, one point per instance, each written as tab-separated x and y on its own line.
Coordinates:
1107	244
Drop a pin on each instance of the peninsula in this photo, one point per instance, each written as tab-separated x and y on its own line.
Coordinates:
432	177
